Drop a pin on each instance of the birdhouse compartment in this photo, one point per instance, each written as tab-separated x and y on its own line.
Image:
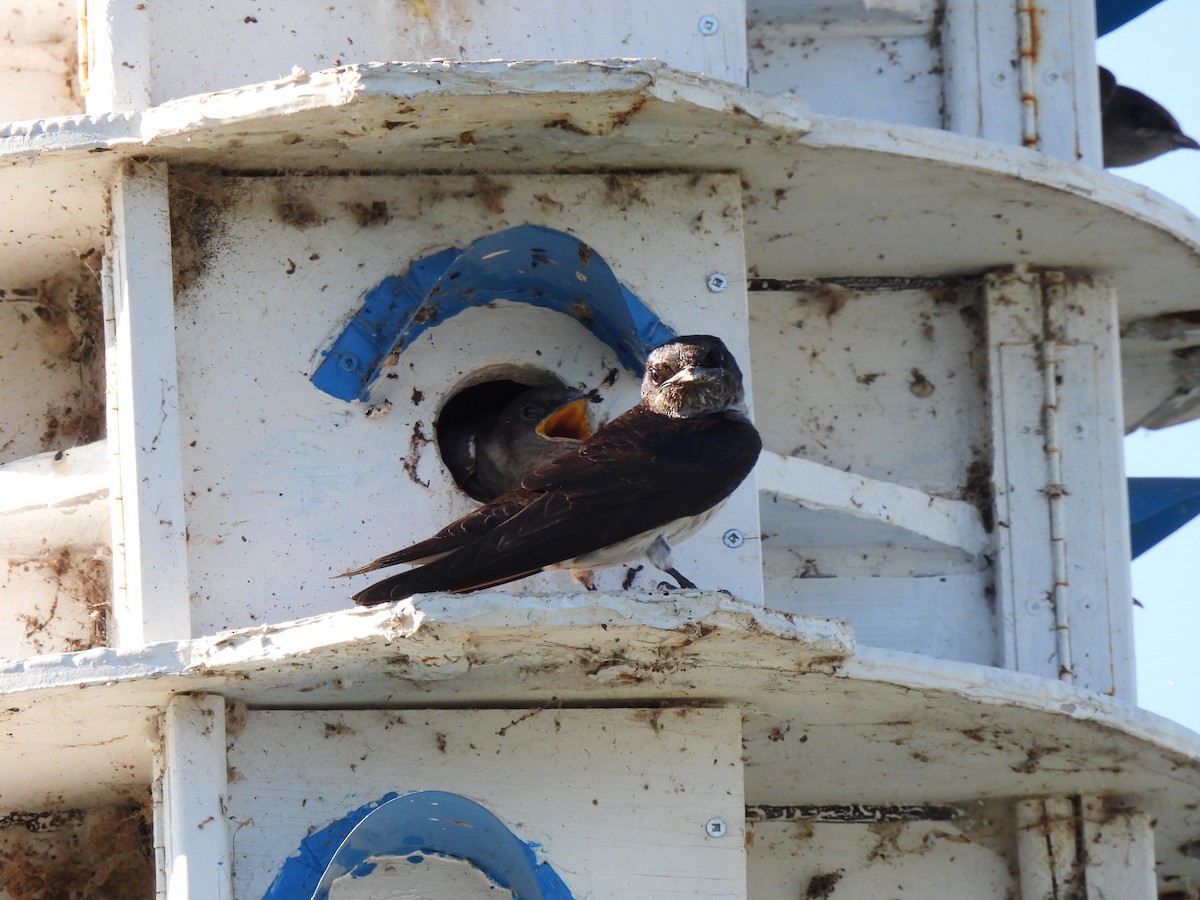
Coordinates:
285	486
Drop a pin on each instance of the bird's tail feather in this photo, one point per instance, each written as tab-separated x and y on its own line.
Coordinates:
393	559
425	580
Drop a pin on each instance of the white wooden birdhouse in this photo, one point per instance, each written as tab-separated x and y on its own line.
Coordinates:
255	286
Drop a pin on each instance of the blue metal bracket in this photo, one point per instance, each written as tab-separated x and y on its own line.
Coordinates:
525	264
414	826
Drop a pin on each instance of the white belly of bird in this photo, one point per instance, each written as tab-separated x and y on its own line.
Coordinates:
638	546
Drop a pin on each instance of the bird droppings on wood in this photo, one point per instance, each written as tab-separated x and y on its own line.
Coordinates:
369	215
297	211
978	490
198	199
919	385
97	854
565	124
492	193
58	327
79	579
623	191
416	444
821	887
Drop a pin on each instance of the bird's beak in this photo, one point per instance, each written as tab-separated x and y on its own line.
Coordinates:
1185	143
694	373
567	423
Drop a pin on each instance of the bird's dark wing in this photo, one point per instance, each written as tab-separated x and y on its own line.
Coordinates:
640	472
458	533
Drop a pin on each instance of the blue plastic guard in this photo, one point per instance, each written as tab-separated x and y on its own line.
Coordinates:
1158	507
422	823
525	264
1112	14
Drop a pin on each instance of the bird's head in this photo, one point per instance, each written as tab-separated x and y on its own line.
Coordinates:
690	376
554	412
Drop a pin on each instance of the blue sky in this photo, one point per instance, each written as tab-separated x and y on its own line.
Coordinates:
1157	54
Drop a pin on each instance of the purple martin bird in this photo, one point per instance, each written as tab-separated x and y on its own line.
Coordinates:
1135	128
652	477
535	427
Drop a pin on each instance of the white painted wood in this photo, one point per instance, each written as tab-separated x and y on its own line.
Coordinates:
55	598
186	50
617	798
892	60
963	860
418	877
980	55
1084	846
1024	576
1024	74
941	615
922	729
1059	90
154	603
286	487
1048	854
1093	468
51	391
877	383
196	832
54	499
118	42
952	523
1022	205
38	68
1062	579
1120	850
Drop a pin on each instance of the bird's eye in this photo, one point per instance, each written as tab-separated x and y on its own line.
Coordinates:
655	374
532	413
715	358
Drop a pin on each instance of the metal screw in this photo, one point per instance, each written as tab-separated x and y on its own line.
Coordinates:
717	282
349	363
709	24
733	539
715	828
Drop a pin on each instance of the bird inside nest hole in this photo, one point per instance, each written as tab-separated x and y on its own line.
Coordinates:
492	432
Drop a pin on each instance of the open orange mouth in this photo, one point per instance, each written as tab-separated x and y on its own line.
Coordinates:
567	423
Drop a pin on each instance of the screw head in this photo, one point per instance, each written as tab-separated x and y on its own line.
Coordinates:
716	282
733	538
708	25
715	827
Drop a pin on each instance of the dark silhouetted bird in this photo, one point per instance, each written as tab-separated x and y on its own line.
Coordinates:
652	477
1136	128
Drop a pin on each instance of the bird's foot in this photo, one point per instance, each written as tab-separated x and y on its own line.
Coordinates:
678	576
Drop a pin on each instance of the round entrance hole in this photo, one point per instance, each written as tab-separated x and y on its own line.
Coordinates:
538	410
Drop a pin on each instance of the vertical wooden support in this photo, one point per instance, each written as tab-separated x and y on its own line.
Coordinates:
152	602
118	76
1075	848
1120	851
1023	72
196	838
982	87
1062	567
1048	850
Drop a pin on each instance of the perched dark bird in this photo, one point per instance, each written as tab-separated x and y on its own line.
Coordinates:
651	477
538	425
1135	128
